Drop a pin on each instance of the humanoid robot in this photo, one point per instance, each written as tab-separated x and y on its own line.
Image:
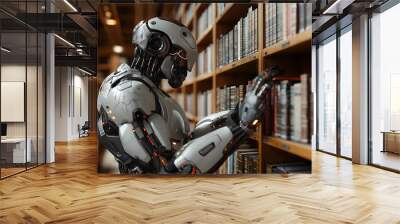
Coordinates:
146	130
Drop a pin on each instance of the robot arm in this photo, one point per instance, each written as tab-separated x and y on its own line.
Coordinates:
218	135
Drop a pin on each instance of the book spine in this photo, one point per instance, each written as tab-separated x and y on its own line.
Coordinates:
256	30
235	42
230	46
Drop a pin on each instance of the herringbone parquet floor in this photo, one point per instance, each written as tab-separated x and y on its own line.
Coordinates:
70	191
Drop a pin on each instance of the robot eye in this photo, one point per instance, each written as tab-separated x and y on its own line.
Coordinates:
156	44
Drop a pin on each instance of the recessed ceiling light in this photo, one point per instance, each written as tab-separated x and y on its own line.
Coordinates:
84	71
5	50
111	22
118	49
64	40
70	5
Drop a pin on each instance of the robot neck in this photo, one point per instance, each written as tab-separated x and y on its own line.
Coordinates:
148	65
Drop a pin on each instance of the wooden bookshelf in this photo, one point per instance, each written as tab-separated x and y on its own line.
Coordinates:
296	43
191	117
205	76
238	71
243	62
298	149
205	37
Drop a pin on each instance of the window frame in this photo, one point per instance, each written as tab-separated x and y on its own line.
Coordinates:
346	26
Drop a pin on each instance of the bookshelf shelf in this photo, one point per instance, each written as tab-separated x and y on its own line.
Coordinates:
253	136
232	13
188	82
205	38
191	117
204	76
237	64
200	7
297	43
169	90
298	149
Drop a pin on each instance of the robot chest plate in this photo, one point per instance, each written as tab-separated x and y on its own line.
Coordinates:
175	117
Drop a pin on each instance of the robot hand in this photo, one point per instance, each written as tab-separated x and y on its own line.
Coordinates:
252	107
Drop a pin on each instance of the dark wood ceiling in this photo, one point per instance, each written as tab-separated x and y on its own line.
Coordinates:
127	16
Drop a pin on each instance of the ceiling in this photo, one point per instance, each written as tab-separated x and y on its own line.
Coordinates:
126	17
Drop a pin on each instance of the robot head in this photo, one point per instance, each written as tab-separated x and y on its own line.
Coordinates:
164	49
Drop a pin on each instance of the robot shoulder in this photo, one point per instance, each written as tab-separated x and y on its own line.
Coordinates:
127	97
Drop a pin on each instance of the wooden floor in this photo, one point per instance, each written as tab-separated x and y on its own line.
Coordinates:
386	159
70	191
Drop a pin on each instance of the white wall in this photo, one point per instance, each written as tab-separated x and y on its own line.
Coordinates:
70	83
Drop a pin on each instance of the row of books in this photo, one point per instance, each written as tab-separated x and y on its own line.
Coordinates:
205	20
291	109
241	41
285	20
229	96
189	12
189	103
243	161
204	60
204	104
227	99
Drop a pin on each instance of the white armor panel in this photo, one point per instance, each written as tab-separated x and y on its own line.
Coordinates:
131	144
160	129
204	152
174	116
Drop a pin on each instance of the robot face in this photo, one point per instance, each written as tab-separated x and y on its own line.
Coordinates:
172	43
175	67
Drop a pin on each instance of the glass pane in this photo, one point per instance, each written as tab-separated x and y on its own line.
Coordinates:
31	97
13	86
385	84
41	98
327	95
346	94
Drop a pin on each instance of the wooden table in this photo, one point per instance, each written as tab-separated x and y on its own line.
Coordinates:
391	141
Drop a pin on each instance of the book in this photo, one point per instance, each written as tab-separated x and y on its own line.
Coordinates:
283	20
289	107
221	8
295	112
205	20
204	60
204	103
306	106
240	41
189	12
230	46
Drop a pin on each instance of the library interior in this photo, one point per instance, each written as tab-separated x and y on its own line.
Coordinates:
325	147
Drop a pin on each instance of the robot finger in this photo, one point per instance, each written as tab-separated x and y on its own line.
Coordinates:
263	90
259	82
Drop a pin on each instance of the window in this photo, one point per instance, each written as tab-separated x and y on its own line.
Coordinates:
345	43
327	95
385	89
